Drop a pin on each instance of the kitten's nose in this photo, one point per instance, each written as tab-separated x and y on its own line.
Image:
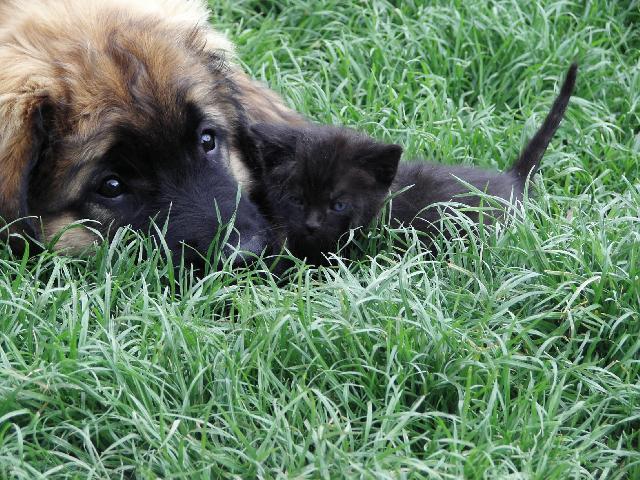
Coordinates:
312	222
312	226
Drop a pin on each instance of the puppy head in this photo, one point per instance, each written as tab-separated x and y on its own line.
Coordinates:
123	123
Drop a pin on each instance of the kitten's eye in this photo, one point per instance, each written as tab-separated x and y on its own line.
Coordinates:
208	140
111	187
339	206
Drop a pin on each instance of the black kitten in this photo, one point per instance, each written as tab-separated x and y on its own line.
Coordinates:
320	181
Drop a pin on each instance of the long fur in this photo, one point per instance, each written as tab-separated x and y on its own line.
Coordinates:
82	77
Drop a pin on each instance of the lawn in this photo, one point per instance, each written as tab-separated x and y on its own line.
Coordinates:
514	354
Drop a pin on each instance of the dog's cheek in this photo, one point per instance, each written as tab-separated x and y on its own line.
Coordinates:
66	233
239	170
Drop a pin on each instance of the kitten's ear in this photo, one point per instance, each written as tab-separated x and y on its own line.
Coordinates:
382	160
276	143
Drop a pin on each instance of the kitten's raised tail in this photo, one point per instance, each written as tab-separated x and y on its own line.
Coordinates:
529	159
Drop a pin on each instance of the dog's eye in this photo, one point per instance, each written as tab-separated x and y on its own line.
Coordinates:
208	140
339	206
111	187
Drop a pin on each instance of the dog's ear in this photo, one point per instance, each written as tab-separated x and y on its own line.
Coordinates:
22	138
275	143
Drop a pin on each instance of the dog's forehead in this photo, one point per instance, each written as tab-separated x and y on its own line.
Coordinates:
147	82
146	112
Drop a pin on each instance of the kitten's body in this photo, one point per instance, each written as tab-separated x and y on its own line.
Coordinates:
424	186
310	171
436	183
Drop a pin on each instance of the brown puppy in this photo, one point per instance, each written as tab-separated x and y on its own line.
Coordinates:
122	111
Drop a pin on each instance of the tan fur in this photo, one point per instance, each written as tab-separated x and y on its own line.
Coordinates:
76	54
14	145
262	104
239	170
74	239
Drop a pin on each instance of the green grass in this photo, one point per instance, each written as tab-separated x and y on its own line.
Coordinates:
514	355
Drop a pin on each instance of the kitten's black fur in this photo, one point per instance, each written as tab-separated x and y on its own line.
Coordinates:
320	181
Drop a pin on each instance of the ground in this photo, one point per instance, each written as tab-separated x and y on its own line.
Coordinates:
514	354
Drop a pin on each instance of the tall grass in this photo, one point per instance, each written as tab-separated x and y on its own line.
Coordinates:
512	354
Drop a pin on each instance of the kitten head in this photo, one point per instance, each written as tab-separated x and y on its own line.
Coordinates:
320	181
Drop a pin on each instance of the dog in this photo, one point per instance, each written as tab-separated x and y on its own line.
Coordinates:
126	112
